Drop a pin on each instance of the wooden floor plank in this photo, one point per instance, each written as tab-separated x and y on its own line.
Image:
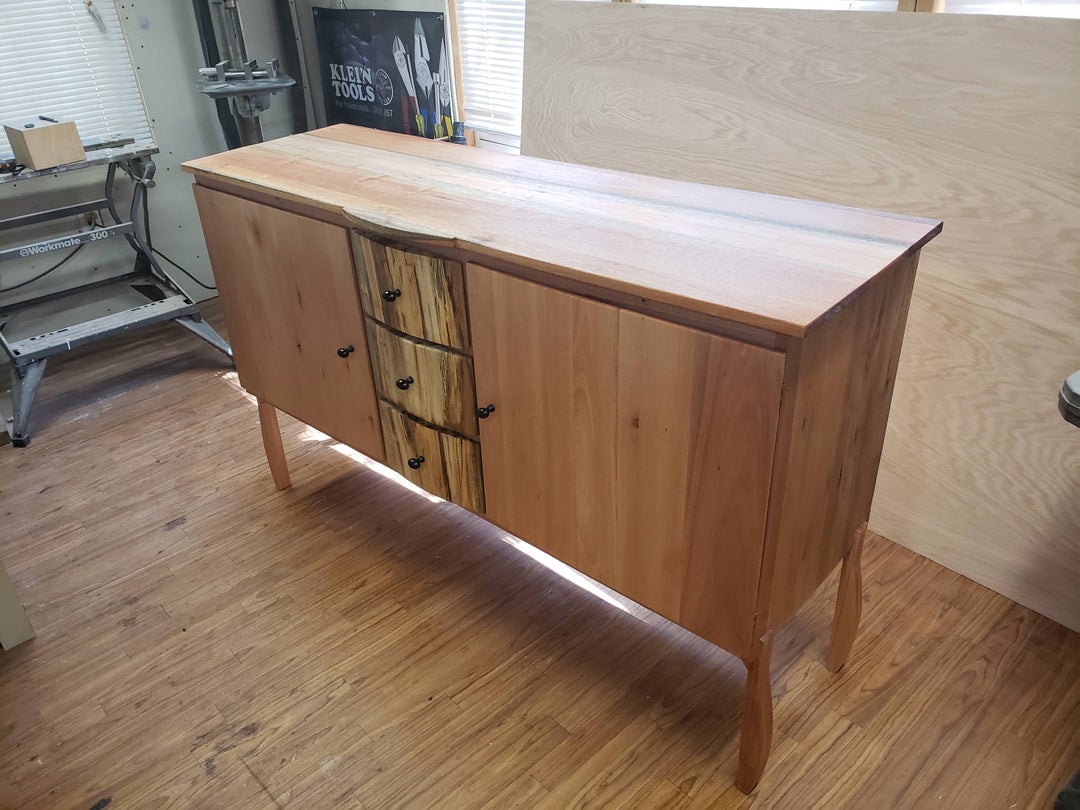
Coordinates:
523	792
205	640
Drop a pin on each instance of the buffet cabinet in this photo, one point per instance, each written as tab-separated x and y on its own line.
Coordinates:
711	461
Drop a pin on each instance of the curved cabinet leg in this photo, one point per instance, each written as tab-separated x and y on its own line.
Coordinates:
757	722
275	451
848	604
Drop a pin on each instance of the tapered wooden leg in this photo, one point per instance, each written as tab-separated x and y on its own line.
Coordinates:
275	452
757	722
848	604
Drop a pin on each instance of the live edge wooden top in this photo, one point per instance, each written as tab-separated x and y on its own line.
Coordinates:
771	262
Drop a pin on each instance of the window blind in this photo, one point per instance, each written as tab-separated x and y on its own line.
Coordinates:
492	41
56	60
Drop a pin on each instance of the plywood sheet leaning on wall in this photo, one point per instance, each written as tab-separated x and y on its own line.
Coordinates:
971	119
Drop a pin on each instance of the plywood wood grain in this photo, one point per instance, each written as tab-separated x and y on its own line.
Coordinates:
971	119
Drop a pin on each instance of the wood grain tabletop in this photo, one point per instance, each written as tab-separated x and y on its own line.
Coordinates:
771	262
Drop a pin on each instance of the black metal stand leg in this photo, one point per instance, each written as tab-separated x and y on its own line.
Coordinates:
165	299
142	171
24	385
204	330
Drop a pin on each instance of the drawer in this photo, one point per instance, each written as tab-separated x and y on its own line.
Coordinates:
419	295
445	465
429	382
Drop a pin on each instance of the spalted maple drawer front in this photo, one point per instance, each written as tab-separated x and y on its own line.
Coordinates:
442	463
429	382
420	295
413	450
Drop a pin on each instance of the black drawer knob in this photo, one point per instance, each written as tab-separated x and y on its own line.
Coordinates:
416	462
345	351
484	413
391	295
404	382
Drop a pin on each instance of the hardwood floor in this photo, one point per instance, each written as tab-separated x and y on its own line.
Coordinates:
205	640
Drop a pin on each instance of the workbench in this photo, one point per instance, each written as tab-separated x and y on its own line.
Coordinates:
679	390
161	298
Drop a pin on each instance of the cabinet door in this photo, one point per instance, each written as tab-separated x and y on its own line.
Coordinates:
546	360
636	450
289	295
696	433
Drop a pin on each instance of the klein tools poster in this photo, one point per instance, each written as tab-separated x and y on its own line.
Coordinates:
386	69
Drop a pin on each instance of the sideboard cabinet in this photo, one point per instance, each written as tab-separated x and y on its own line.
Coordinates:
679	390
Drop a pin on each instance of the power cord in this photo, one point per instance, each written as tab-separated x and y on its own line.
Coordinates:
93	226
150	244
181	269
44	273
68	257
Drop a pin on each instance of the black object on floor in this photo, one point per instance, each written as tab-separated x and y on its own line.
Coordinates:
1069	798
1069	399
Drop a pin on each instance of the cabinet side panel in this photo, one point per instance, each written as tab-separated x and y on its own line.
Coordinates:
290	300
843	391
697	417
547	361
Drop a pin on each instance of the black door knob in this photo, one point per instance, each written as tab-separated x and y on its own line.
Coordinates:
391	295
404	382
484	413
416	462
345	351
